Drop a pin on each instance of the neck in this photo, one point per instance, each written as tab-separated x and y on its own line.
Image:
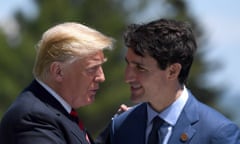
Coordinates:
164	101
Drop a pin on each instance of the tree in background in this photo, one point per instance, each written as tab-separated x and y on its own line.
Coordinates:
109	17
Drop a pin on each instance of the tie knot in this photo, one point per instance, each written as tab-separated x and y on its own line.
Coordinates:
157	122
74	113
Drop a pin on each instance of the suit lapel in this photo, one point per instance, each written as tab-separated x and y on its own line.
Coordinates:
79	134
183	131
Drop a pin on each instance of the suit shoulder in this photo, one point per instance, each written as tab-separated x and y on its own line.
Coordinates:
219	126
211	113
132	115
132	111
209	116
26	107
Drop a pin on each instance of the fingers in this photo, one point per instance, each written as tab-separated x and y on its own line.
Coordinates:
123	107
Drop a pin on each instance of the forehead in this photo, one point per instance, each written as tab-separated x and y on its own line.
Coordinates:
132	57
95	58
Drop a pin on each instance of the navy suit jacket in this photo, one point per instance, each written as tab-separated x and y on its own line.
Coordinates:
36	117
197	124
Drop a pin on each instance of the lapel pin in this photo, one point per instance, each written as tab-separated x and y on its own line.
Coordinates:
184	137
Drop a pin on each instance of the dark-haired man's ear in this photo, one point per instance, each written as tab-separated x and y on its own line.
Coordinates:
174	71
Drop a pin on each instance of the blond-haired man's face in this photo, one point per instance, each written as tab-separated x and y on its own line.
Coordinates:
81	79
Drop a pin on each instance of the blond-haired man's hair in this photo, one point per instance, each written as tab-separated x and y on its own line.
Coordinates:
65	42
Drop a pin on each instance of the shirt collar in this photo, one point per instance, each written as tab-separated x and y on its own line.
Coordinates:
171	113
66	106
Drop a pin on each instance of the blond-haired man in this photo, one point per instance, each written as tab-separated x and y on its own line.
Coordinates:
67	71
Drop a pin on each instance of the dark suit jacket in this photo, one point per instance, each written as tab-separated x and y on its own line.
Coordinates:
197	124
36	117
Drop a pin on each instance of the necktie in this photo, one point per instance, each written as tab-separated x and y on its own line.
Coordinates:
75	117
153	137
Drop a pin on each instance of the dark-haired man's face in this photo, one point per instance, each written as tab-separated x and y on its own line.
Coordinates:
147	82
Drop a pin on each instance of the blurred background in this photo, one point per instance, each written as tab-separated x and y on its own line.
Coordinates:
214	76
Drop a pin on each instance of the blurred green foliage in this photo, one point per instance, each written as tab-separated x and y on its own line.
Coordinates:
108	16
